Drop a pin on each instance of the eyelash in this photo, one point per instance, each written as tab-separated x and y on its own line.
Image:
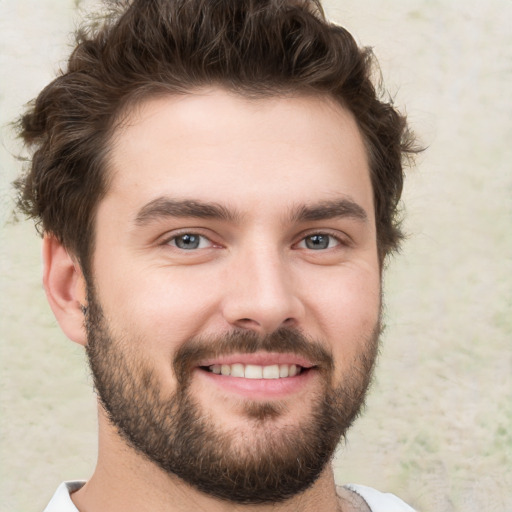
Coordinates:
330	237
171	241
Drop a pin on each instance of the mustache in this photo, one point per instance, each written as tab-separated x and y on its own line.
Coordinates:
283	340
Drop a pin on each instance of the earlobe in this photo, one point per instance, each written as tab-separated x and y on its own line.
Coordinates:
65	289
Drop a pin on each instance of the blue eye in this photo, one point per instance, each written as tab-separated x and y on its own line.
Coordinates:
189	241
318	242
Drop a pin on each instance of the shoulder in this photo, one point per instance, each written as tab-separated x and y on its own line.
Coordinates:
379	501
61	501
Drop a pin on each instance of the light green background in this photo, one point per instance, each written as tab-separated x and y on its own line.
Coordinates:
438	427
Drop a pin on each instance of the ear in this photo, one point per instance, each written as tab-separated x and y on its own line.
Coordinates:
65	289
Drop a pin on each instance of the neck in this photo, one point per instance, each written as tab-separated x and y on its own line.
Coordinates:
126	481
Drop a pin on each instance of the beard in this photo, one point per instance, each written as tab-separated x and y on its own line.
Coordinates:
173	431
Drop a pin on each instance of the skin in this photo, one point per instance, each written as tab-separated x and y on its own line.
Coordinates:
262	161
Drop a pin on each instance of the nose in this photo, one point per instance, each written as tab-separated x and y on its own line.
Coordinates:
261	295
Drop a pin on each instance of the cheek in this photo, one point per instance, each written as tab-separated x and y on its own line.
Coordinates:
346	306
161	306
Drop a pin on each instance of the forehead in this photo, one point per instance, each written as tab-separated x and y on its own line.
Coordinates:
271	153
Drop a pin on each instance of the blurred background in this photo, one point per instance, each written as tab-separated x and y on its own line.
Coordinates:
438	426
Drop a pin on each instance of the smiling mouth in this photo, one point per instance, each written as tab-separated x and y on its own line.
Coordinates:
253	371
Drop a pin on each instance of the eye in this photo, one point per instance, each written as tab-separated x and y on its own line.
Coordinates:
318	242
189	241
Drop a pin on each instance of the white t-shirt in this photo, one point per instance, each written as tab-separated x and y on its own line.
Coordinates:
380	501
377	501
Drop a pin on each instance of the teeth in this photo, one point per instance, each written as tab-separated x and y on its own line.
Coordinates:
237	370
271	372
253	371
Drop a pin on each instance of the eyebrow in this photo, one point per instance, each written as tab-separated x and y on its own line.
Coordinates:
325	210
164	207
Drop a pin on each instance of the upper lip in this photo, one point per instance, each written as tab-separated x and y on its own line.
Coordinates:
260	359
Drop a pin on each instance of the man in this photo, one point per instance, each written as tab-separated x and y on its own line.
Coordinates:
217	184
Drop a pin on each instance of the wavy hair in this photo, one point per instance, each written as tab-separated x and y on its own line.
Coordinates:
140	48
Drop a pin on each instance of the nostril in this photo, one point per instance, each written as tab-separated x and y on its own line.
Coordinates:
263	327
247	323
290	322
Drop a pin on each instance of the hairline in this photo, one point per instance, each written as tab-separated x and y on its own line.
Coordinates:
135	101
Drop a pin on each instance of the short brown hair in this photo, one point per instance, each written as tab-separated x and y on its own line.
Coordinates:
142	48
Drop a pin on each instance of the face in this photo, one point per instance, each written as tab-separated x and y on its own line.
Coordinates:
235	291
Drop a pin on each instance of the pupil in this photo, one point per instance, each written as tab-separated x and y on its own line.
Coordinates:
317	242
187	242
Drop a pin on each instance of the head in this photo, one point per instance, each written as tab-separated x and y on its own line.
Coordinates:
226	180
143	50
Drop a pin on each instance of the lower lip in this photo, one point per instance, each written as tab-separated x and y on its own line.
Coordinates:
259	389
